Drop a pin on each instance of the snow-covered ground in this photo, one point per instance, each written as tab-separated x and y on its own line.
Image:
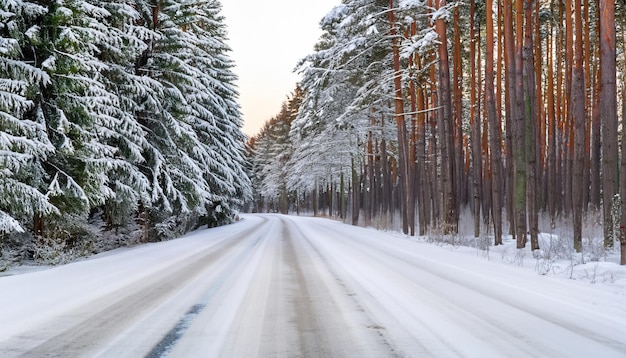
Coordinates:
275	285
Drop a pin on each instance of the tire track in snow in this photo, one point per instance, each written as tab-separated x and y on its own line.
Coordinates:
172	337
495	315
84	331
329	320
311	342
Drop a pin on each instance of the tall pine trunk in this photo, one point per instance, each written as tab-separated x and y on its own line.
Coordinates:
446	129
477	175
577	105
457	109
608	108
551	140
596	128
494	130
531	126
519	136
511	109
403	157
622	234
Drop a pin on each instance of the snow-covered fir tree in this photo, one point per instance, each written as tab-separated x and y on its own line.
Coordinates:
196	164
215	114
122	111
24	144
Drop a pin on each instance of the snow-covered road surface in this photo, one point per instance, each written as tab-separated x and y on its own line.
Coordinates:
279	286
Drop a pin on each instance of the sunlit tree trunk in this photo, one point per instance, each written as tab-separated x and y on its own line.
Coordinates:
551	141
586	26
608	113
541	116
595	128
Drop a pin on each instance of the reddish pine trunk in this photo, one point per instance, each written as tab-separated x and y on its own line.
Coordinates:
608	108
551	174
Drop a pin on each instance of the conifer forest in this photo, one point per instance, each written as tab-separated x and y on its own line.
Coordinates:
119	124
501	116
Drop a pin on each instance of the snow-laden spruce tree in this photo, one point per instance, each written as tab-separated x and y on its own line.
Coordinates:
195	162
116	110
129	188
24	145
82	46
215	114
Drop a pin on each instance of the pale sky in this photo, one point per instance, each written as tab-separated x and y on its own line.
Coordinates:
268	39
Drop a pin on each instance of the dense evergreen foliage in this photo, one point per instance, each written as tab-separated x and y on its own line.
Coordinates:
118	123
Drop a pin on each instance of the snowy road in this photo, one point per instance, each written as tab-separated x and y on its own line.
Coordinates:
278	286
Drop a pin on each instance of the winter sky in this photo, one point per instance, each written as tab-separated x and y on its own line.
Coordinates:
268	39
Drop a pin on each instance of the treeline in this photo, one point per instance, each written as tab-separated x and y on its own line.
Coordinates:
426	108
118	124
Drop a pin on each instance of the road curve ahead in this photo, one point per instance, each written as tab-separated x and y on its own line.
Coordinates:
280	286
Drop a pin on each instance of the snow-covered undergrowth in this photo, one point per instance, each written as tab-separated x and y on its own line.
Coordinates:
556	255
82	241
81	237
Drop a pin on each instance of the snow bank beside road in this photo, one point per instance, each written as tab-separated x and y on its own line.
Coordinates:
29	299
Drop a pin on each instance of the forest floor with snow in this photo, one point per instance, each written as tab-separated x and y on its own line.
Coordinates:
595	264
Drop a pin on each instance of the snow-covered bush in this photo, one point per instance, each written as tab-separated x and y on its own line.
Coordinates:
67	238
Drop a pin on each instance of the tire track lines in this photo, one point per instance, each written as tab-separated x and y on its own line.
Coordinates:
84	330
